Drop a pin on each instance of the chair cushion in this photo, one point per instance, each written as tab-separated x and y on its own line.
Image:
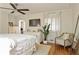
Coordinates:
61	42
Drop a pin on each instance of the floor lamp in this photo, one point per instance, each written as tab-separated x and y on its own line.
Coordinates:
76	26
75	31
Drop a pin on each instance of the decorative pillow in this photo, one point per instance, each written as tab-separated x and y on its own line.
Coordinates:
66	36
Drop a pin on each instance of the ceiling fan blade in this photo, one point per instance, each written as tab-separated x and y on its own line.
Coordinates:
12	12
6	8
23	9
21	12
13	5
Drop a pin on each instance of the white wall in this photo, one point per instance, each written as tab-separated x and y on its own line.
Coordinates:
75	15
0	22
3	22
67	21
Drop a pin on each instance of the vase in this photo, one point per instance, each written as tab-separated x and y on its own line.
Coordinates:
45	42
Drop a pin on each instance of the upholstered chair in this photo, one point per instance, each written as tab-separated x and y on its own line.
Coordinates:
65	39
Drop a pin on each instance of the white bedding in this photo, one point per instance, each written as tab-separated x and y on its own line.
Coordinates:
5	45
9	41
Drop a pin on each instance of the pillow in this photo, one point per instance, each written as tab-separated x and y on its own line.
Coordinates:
66	36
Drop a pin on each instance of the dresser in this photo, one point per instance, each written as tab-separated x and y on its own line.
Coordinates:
13	29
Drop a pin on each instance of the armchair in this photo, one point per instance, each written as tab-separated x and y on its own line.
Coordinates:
65	39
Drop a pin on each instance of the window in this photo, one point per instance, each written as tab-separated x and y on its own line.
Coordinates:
54	21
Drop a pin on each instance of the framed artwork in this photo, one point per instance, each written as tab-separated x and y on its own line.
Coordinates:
10	23
34	22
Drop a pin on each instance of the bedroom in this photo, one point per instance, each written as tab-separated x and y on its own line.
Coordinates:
61	17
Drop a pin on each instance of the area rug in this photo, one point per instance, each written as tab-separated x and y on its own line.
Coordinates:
42	50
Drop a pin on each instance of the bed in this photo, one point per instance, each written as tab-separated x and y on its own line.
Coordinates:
17	44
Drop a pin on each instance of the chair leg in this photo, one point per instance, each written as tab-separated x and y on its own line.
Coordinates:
64	48
71	51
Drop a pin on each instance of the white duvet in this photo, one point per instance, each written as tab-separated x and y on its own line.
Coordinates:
5	45
9	41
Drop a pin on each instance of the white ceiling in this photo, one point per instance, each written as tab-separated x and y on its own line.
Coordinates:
40	7
44	6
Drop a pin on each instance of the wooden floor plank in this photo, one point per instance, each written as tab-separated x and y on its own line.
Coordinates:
59	50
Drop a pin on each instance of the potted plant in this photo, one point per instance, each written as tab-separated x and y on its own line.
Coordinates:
45	31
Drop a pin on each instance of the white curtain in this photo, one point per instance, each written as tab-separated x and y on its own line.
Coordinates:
54	20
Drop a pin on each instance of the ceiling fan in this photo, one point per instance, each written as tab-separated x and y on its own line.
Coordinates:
15	8
18	10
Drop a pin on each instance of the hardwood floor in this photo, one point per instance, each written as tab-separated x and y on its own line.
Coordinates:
59	50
